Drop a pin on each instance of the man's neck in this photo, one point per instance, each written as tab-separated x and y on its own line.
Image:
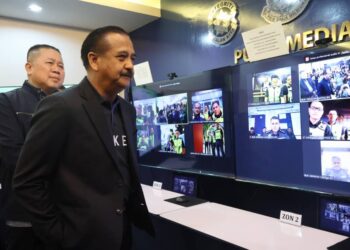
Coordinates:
104	89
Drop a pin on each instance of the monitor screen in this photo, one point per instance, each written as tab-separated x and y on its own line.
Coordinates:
293	120
185	185
185	123
334	216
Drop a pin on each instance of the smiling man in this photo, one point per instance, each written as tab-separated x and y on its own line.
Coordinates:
45	72
76	175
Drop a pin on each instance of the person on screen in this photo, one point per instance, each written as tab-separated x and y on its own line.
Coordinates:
212	142
291	134
286	90
140	118
206	113
307	86
339	131
219	138
143	142
197	112
252	131
335	171
151	137
217	115
273	92
149	117
324	87
161	117
344	89
276	132
45	74
206	144
178	143
318	128
76	175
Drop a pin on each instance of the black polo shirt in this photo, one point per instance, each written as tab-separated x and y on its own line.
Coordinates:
118	136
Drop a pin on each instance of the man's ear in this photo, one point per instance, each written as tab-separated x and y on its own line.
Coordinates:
93	60
28	66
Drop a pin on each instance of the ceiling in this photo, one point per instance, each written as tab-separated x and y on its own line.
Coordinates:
129	14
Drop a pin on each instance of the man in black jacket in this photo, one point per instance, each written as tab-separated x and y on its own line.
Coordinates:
45	73
76	175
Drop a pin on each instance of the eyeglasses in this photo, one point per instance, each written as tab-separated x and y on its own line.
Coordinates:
316	108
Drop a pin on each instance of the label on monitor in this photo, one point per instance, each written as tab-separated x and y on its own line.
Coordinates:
157	185
290	218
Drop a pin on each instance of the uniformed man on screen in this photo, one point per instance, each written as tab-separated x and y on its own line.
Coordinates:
318	128
276	132
178	143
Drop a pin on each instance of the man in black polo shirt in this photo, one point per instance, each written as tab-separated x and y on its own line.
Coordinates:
45	73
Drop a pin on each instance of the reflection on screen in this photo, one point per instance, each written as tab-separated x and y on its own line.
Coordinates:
184	185
335	216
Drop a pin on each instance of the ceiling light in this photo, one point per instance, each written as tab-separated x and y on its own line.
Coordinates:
35	8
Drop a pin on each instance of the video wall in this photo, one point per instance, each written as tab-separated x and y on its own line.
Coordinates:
293	121
182	123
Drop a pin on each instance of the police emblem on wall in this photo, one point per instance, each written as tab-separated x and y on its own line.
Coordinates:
283	11
222	22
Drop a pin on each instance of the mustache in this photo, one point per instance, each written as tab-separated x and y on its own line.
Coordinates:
129	73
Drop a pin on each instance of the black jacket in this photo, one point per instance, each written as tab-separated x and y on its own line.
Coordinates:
69	147
16	110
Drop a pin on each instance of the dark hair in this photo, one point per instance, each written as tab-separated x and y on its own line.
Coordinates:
275	76
274	118
215	101
93	41
37	47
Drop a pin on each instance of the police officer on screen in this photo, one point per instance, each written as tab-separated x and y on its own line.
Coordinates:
318	128
276	132
178	143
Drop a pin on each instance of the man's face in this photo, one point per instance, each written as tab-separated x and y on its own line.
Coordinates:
216	108
332	116
197	108
45	69
316	110
275	125
177	134
336	162
289	81
116	64
274	82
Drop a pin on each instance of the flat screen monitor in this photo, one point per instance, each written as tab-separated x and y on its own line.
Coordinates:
334	216
293	120
185	185
186	124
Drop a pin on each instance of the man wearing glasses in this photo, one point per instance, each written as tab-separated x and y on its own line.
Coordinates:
318	129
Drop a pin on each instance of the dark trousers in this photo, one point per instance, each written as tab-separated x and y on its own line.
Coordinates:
127	233
22	238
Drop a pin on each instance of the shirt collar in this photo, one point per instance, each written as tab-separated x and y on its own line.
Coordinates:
35	91
102	101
